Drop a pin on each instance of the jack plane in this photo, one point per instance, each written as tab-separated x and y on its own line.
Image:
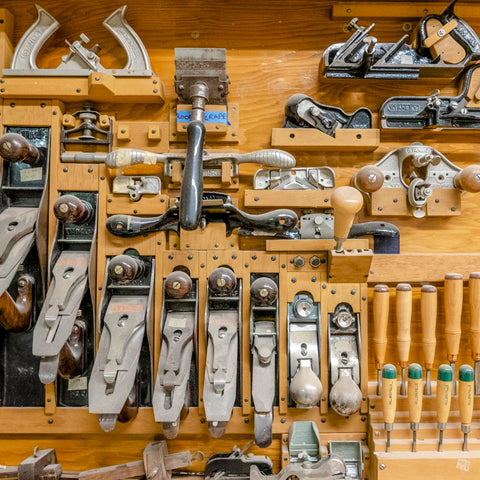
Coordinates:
80	61
440	46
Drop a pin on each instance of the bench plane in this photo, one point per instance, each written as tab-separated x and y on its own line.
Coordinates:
80	61
304	112
222	324
22	221
72	270
171	395
415	180
462	111
126	314
263	344
440	46
215	207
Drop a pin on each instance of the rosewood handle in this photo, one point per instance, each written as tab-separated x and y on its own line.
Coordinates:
125	268
71	209
222	281
263	291
16	316
15	148
178	284
72	355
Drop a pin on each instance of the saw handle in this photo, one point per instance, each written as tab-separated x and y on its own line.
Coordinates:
15	148
468	179
369	179
192	182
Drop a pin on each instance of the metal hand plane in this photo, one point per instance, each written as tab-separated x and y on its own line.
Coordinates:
304	112
79	61
435	111
440	46
216	208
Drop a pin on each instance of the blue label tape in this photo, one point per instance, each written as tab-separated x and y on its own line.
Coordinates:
210	116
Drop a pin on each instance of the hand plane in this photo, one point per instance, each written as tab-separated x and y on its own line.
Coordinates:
22	220
222	317
304	112
71	280
215	207
416	180
309	178
263	343
80	61
440	46
171	396
125	315
434	111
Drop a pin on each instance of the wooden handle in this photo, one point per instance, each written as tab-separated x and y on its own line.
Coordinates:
15	148
474	297
125	268
346	202
444	392
222	281
381	300
404	317
71	361
263	291
465	393
71	209
16	316
429	323
369	179
178	284
453	313
389	392
415	392
468	179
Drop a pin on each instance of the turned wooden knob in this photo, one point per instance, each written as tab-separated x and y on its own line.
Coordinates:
125	268
369	179
222	281
346	202
178	284
15	148
70	209
263	291
469	179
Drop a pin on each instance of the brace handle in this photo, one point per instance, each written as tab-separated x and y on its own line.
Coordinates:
192	182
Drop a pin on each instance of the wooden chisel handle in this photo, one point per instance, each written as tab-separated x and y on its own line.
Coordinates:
404	317
465	393
415	392
381	299
474	297
389	392
444	392
429	322
453	313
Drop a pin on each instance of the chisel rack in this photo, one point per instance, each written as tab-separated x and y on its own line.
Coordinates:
273	50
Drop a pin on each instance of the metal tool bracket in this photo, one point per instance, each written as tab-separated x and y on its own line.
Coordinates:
137	186
311	178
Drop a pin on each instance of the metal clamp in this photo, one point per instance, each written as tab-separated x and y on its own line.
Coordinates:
79	61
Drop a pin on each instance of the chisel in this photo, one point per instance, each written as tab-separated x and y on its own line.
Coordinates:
429	321
444	398
474	297
381	298
465	400
415	397
404	317
453	319
389	398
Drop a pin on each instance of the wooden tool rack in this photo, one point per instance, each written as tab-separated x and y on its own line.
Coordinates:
274	49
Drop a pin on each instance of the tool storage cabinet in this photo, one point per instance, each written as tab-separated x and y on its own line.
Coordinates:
273	50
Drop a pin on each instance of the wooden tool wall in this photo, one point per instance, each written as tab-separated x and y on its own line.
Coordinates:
274	49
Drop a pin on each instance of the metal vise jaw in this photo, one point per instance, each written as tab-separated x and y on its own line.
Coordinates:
179	319
344	360
303	328
263	342
223	314
72	277
440	46
126	313
79	61
416	180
